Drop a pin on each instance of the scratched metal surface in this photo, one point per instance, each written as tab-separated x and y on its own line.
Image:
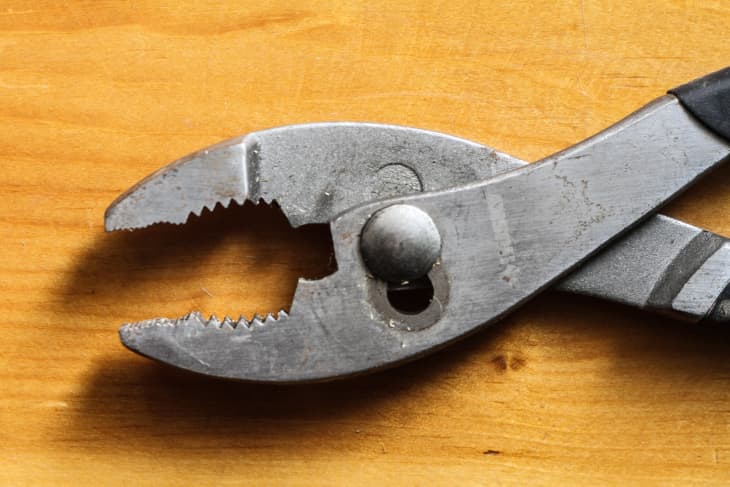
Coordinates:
503	240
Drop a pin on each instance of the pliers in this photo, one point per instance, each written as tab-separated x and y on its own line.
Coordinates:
473	231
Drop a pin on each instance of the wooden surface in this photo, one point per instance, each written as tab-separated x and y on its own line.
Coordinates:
94	95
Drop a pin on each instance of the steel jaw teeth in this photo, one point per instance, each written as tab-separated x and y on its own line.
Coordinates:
205	179
212	207
196	319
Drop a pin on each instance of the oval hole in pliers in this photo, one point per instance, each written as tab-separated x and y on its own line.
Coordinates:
411	297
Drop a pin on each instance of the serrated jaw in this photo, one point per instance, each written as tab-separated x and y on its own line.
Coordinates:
205	179
196	319
208	346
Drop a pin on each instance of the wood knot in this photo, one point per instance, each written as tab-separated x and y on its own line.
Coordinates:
503	362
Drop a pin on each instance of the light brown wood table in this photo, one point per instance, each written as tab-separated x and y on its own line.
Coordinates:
95	95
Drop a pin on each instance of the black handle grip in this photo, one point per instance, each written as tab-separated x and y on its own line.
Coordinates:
708	99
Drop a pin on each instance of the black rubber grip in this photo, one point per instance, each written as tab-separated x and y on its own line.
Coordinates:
708	99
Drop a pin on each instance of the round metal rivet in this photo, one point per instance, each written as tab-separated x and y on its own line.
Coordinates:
400	243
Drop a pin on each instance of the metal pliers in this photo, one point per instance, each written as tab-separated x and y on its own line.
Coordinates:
472	230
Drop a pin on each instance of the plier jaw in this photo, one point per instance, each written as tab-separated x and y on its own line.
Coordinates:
202	180
314	172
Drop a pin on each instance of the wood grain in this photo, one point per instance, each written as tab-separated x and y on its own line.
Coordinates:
94	95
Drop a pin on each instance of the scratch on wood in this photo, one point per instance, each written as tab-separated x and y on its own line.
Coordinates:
583	16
